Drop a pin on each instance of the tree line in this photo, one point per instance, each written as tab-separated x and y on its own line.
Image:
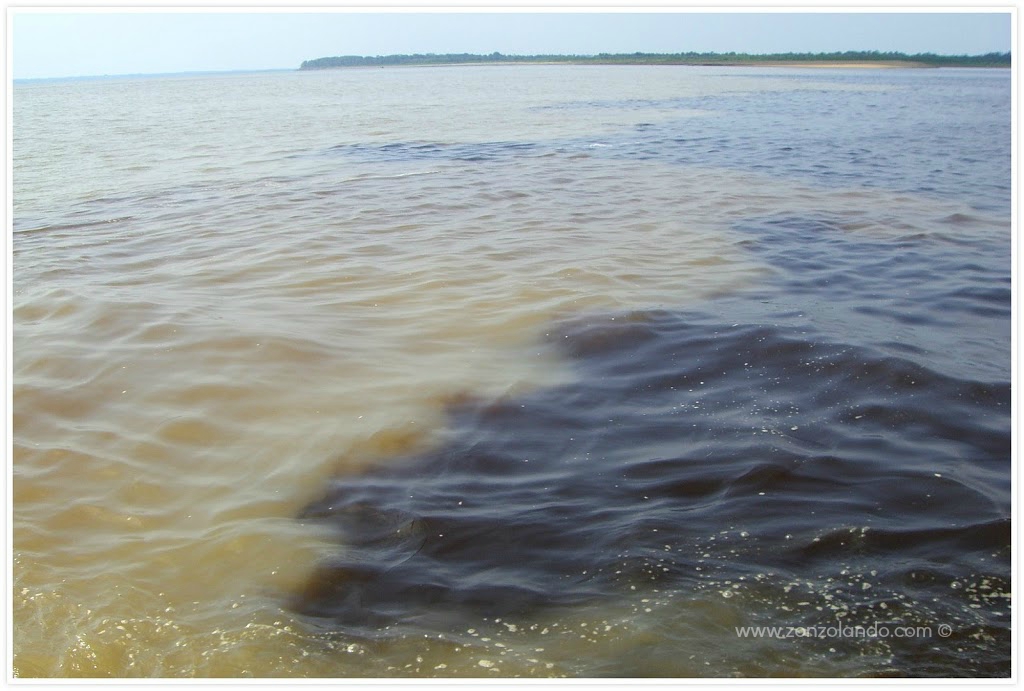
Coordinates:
690	58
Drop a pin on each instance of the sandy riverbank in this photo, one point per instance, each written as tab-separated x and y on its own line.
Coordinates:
865	65
880	65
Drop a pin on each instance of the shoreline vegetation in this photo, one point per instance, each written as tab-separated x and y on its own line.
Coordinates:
859	59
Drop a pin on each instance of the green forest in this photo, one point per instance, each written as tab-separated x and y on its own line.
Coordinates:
918	59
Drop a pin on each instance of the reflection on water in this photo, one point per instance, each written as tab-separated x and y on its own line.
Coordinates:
336	386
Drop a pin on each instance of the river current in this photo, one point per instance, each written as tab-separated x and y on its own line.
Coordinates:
501	371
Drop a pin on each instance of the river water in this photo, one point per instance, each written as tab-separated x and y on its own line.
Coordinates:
500	371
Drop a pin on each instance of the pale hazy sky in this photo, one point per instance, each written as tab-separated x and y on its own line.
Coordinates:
56	44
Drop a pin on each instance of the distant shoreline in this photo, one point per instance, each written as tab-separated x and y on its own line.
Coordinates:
850	59
792	63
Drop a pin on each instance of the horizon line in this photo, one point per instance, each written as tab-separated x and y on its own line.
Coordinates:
180	73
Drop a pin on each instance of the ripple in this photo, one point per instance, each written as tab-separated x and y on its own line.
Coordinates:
570	494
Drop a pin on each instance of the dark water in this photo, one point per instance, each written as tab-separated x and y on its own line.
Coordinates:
941	132
832	444
869	479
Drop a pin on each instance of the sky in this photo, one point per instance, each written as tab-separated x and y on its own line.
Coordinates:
76	42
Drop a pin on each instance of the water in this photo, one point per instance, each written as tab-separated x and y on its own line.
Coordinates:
513	371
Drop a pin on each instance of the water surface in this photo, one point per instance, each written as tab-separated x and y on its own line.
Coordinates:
512	371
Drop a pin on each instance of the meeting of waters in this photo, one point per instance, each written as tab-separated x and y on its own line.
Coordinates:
513	371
